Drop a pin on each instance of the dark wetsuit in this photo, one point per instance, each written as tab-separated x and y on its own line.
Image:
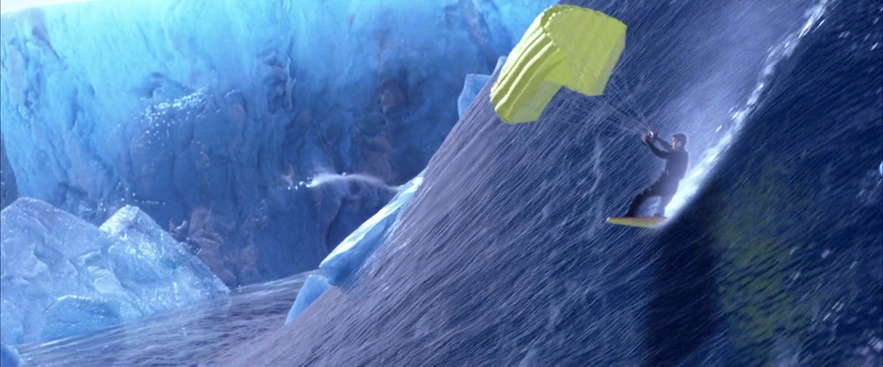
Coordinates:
666	185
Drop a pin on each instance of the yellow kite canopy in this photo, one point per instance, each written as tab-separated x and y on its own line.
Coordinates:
565	46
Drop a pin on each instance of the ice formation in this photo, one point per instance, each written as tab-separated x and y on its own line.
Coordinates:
348	257
63	276
313	287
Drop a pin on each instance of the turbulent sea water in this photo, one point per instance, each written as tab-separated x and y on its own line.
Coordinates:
195	335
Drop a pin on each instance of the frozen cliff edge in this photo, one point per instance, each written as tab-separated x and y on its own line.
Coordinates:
63	276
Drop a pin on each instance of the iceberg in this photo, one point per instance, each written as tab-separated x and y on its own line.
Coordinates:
348	257
9	356
210	115
62	276
313	287
152	266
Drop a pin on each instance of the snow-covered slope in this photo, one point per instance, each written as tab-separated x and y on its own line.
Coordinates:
211	115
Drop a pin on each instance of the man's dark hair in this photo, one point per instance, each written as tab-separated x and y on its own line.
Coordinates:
681	138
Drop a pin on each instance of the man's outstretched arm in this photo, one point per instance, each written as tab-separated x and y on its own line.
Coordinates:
656	151
664	143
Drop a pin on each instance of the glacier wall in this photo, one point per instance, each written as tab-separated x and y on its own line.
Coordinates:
61	276
8	191
212	116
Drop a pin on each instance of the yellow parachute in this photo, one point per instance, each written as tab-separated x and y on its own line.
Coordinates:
565	46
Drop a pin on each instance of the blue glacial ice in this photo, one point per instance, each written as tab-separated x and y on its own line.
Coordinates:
9	356
472	85
63	276
312	288
8	192
349	256
212	115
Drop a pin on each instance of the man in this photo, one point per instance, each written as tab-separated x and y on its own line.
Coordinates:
676	160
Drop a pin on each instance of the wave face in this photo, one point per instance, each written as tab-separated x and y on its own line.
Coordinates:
503	258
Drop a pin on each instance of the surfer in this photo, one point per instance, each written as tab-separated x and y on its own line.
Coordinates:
665	187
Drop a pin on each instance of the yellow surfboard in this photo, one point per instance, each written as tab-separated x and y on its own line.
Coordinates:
644	222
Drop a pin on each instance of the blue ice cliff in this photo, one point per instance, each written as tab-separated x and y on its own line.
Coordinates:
61	276
213	116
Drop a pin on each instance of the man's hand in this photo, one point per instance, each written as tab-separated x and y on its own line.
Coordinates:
648	137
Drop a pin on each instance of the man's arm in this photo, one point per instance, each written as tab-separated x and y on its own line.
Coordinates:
656	151
654	137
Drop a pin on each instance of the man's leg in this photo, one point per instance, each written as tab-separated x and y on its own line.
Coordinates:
639	199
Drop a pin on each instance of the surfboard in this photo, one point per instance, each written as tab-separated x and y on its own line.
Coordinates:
643	222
